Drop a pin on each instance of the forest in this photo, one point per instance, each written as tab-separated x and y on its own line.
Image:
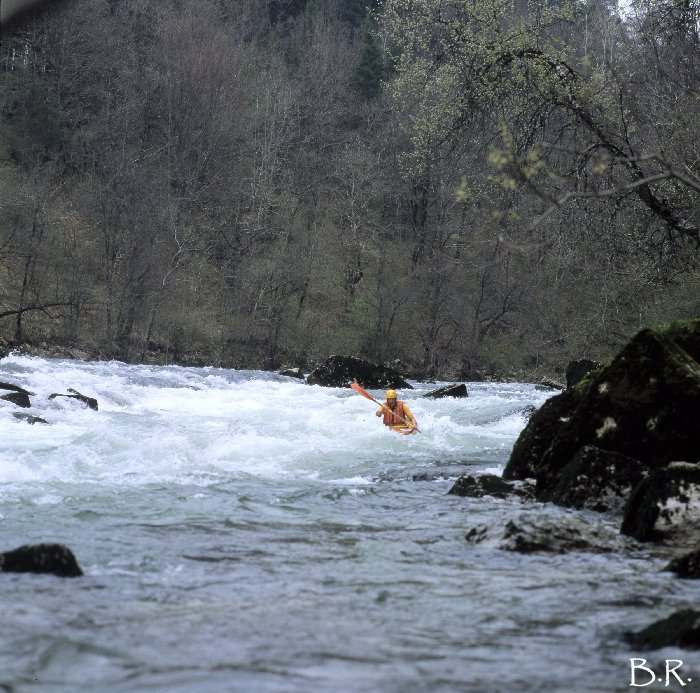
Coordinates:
470	188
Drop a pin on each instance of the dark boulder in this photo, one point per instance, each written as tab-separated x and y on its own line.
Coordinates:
338	371
14	388
680	629
595	479
88	401
487	485
41	558
21	399
530	532
576	371
459	390
686	566
644	405
666	505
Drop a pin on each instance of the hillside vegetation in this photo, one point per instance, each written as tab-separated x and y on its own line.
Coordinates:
470	187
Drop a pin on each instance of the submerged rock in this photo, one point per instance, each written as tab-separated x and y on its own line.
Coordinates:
535	533
487	485
56	559
686	566
338	371
680	629
666	505
596	479
29	418
459	390
88	401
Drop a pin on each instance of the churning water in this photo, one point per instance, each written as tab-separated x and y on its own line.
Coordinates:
242	531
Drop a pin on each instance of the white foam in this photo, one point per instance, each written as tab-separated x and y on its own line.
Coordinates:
175	424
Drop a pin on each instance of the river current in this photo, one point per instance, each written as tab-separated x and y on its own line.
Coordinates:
243	531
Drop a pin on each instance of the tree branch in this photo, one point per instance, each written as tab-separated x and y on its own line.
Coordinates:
35	306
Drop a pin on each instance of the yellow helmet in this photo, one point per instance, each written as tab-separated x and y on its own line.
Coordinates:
391	394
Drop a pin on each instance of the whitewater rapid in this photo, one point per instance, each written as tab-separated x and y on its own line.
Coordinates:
176	424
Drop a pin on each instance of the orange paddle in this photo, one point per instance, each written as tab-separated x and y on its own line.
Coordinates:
366	394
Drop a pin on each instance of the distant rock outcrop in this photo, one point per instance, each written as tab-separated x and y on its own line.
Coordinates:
338	371
56	559
457	390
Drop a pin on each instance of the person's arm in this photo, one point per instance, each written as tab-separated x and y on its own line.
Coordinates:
379	411
409	416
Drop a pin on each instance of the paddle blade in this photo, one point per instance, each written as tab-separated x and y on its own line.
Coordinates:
362	392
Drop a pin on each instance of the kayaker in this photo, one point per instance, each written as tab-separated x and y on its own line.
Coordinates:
394	408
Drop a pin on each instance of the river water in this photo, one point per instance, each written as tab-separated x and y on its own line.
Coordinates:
243	531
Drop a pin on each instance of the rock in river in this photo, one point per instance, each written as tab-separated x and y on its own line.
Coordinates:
686	566
595	479
74	394
666	506
18	395
338	371
643	405
456	390
532	532
41	558
680	629
488	485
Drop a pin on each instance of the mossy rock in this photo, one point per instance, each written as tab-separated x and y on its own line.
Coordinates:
577	370
595	479
643	405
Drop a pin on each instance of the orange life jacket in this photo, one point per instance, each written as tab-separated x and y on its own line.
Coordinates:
390	419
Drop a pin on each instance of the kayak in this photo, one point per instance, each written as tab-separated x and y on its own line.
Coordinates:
403	430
